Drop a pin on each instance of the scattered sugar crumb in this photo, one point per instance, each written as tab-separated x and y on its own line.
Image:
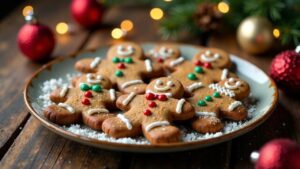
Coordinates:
188	135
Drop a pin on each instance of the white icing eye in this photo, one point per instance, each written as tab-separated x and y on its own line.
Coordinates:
208	52
158	82
99	77
170	83
89	75
170	51
217	55
238	83
130	48
231	80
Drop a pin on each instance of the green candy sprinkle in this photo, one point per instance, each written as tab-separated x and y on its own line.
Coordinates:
119	73
217	94
201	103
128	60
116	60
208	98
198	69
192	76
122	60
84	87
97	88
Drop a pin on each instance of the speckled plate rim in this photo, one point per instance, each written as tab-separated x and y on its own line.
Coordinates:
170	147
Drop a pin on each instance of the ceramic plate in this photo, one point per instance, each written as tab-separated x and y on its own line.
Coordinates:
263	90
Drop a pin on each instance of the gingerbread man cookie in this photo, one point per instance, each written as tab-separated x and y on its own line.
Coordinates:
216	101
151	113
124	67
90	104
188	72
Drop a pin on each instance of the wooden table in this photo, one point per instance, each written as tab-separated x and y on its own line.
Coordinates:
25	143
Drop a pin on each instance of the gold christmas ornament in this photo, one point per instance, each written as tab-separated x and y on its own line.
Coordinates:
255	34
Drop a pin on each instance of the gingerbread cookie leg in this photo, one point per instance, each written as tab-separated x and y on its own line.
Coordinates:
94	117
207	122
234	111
123	125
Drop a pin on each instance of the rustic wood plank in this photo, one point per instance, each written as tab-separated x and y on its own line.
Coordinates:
14	67
280	124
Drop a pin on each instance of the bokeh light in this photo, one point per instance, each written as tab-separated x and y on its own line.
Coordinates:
62	28
126	25
156	13
276	32
117	33
27	9
223	7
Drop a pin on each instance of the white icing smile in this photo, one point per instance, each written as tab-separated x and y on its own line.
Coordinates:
235	84
125	51
93	79
209	57
158	87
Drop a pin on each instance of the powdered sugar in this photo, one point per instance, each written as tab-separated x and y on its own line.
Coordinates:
188	135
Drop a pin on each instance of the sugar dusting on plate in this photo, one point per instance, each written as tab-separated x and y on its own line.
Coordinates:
188	135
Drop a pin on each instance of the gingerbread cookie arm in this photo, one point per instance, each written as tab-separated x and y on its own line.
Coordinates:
182	109
221	74
60	95
235	110
125	102
151	69
88	65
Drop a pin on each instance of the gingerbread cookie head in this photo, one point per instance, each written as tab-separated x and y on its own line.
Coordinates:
212	57
125	50
164	52
92	79
240	88
167	86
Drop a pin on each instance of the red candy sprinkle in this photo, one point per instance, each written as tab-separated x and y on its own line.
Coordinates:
162	97
152	104
150	96
147	112
121	66
198	63
160	60
207	65
85	101
88	94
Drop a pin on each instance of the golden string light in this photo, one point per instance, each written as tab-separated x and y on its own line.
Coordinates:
223	7
27	9
276	32
62	28
156	13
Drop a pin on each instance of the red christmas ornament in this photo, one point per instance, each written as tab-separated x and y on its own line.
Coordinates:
285	70
147	112
35	40
162	97
88	94
152	104
278	154
87	13
150	96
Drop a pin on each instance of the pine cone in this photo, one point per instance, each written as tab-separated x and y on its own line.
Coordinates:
207	17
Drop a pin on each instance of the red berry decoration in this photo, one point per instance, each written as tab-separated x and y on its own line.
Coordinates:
162	97
147	112
278	154
152	104
150	96
85	101
207	65
35	40
88	94
160	60
198	63
285	70
121	66
87	13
